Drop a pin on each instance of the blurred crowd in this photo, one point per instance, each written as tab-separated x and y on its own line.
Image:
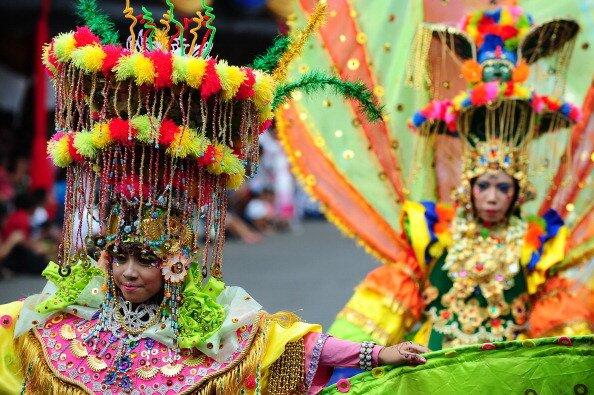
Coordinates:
31	219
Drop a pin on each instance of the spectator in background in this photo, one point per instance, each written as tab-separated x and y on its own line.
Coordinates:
260	211
23	253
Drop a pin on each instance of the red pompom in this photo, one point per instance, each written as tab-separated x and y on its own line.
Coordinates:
509	89
112	55
72	149
478	96
208	157
264	126
163	62
84	36
507	31
210	82
486	24
120	130
246	89
167	132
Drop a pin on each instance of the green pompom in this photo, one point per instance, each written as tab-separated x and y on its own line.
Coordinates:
83	142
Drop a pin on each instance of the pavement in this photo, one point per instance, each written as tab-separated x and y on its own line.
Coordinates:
311	272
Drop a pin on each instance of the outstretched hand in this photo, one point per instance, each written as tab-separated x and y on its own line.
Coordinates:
406	353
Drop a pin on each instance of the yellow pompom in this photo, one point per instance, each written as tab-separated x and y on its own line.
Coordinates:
100	135
196	68
231	78
521	91
216	167
506	17
135	66
83	142
185	142
64	44
457	101
59	152
263	89
235	180
265	114
180	68
89	58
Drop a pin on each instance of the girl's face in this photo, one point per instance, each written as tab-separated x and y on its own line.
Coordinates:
138	280
492	195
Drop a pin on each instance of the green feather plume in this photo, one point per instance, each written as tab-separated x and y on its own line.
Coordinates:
269	60
314	81
97	21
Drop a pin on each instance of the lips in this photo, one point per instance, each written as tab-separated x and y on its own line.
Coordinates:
130	287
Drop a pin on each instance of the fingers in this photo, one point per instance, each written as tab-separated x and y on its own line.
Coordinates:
416	348
413	359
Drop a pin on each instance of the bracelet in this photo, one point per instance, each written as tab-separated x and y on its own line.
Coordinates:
365	355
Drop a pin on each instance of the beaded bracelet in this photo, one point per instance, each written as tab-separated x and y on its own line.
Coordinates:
365	355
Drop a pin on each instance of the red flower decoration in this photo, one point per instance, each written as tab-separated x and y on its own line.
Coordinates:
167	132
250	382
211	83
565	341
84	36
6	321
343	385
163	62
488	347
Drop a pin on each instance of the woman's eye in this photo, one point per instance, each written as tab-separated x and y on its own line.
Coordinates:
483	186
504	188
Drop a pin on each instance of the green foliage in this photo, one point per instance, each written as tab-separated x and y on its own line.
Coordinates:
97	21
315	81
269	61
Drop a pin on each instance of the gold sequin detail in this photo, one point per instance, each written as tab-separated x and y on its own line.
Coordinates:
95	363
78	349
146	372
67	332
170	370
287	374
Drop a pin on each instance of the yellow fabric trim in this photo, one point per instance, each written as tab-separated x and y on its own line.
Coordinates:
11	379
277	337
419	234
377	315
553	252
423	334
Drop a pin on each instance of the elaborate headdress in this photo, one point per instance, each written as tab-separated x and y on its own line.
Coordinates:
152	134
498	116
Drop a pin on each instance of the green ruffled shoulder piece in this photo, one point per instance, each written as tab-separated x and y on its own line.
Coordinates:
199	315
555	365
69	287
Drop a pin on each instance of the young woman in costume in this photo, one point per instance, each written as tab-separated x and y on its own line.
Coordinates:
152	134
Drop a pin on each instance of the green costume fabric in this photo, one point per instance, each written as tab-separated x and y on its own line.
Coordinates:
545	366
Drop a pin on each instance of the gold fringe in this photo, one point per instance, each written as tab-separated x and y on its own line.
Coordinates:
417	68
317	17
